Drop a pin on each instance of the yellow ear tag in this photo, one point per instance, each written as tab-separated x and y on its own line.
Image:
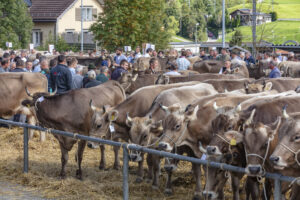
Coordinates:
233	142
156	144
112	117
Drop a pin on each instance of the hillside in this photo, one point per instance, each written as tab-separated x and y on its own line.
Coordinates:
275	32
285	9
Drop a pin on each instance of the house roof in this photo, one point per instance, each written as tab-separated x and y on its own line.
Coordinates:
246	11
45	10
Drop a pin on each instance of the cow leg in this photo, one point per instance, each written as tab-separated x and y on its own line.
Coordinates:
140	173
295	194
64	160
149	161
197	174
31	121
156	171
254	188
235	184
80	149
168	189
102	157
117	160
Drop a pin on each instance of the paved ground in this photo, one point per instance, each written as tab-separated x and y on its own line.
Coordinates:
10	191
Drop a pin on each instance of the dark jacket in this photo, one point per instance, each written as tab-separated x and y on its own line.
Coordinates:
249	60
60	77
92	83
117	73
204	57
18	70
102	78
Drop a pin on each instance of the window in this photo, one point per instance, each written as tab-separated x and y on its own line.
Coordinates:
70	31
37	37
87	13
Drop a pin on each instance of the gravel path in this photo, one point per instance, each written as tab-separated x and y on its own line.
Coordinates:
10	191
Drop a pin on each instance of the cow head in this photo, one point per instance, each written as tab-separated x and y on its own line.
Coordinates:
102	122
226	120
286	153
127	79
162	79
36	97
257	87
258	139
141	129
175	125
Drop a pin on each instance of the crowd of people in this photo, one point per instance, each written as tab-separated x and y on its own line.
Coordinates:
64	75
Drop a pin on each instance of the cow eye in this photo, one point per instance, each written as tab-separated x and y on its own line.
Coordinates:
177	127
297	138
230	128
145	136
99	125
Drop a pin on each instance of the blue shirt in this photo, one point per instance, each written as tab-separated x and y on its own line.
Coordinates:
37	69
182	63
275	73
119	58
117	73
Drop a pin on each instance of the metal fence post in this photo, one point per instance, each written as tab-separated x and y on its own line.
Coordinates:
277	189
25	170
125	173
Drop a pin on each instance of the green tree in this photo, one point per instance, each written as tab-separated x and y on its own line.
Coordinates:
132	22
274	16
172	25
236	39
15	23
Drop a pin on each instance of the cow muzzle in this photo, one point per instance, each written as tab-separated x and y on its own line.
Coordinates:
213	151
209	195
135	157
92	145
278	163
164	146
254	170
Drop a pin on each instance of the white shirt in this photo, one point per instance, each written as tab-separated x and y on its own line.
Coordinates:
147	55
172	73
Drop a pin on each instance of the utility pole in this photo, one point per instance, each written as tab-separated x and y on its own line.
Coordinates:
223	23
254	28
81	11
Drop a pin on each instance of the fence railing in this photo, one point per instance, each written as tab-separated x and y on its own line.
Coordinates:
276	177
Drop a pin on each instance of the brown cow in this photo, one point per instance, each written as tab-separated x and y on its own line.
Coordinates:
140	127
71	112
228	85
12	89
112	123
290	69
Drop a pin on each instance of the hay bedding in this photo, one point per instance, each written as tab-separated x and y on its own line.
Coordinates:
44	168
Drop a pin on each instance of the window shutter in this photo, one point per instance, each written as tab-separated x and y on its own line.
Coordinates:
94	14
78	14
41	38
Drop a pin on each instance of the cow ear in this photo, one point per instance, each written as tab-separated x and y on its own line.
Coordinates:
94	108
191	114
157	127
268	86
135	77
234	137
113	115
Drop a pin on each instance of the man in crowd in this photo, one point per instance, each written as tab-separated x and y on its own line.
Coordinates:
85	80
226	69
77	79
119	70
242	55
137	53
249	59
37	67
149	52
24	56
160	54
119	57
189	53
4	65
203	55
92	82
153	66
172	66
267	56
212	55
182	62
224	55
275	73
72	65
19	66
28	67
60	76
103	76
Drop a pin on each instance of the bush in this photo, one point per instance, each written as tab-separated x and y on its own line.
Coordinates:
274	16
237	39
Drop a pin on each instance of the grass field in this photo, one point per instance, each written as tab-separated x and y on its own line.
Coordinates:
285	8
282	31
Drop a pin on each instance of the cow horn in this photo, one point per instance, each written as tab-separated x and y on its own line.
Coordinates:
201	148
27	92
54	93
238	108
165	108
250	119
135	77
246	85
92	106
284	113
215	106
128	118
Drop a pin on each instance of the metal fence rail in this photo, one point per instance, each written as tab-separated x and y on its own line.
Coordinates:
276	177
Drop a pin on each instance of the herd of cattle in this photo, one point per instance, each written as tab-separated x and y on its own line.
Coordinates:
231	118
